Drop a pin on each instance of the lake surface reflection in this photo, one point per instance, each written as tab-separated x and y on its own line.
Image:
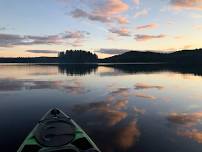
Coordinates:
123	108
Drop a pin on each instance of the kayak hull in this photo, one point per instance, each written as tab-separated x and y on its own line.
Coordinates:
57	132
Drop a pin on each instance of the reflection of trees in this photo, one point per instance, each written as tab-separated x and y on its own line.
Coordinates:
77	69
150	68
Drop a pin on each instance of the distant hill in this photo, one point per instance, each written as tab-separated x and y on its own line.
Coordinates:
184	56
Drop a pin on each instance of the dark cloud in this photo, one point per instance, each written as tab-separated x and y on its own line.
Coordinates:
112	51
16	85
120	32
79	13
120	92
42	51
73	87
74	38
139	86
143	37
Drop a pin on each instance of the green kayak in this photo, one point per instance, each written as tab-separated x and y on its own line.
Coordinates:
56	132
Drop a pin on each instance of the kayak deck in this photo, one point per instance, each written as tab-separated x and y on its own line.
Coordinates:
56	132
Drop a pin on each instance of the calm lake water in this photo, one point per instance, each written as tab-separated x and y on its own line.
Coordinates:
123	108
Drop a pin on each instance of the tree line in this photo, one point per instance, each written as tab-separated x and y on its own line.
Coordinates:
77	56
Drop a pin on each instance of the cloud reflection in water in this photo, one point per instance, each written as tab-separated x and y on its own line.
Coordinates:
187	121
185	118
192	134
12	84
115	127
139	86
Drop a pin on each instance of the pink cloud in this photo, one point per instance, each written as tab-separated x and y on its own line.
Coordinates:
142	95
147	26
137	2
142	37
103	11
111	7
100	17
186	4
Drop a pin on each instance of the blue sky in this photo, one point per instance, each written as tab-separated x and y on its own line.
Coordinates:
103	26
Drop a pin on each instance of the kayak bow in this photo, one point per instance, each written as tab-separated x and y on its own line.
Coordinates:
57	132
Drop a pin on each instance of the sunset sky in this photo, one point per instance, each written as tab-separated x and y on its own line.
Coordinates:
107	27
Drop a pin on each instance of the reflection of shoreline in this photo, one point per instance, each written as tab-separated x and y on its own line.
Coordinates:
115	68
153	68
77	69
83	69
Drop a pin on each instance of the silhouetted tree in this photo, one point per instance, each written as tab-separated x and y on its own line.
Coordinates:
77	56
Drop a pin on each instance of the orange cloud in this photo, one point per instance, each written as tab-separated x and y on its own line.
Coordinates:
103	11
187	47
142	37
141	95
186	4
120	104
111	7
100	17
185	118
147	26
128	135
193	134
106	111
112	116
